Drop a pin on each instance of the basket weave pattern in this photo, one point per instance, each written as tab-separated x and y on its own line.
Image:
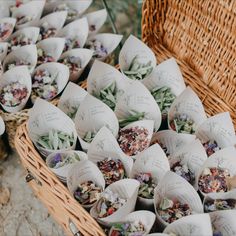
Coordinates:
201	36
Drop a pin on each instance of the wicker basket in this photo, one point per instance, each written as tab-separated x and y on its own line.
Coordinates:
165	29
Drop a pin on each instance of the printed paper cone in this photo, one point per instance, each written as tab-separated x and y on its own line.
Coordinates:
223	222
2	126
84	171
9	21
154	161
146	218
93	115
75	31
44	117
84	55
173	186
193	225
147	126
64	171
171	141
219	196
25	54
3	50
224	159
31	10
18	74
133	47
71	99
96	20
193	156
166	74
188	103
108	41
218	128
54	20
125	188
29	33
58	71
52	47
104	145
137	98
103	75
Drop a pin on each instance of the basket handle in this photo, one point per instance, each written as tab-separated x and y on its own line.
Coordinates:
30	177
74	229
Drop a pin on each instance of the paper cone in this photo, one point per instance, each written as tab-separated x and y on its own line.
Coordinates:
26	53
171	140
125	188
4	9
146	218
44	117
58	71
218	128
52	47
101	76
193	225
32	9
141	124
96	20
30	33
76	30
193	155
175	187
154	161
188	103
3	50
12	22
223	222
166	74
54	20
93	115
85	56
109	42
221	196
135	47
71	99
137	98
18	74
104	145
64	171
224	159
84	171
2	126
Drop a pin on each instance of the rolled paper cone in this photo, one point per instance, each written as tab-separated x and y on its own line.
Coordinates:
218	128
2	126
27	53
84	171
32	9
11	22
84	55
173	186
3	50
76	30
44	117
96	20
64	171
18	74
134	47
166	74
58	71
188	103
126	189
71	99
193	225
224	159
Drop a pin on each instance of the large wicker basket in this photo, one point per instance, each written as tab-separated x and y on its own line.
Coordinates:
201	36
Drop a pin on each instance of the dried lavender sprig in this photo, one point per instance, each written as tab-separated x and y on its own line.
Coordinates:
134	116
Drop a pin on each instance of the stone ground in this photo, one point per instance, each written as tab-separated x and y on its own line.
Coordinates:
23	214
